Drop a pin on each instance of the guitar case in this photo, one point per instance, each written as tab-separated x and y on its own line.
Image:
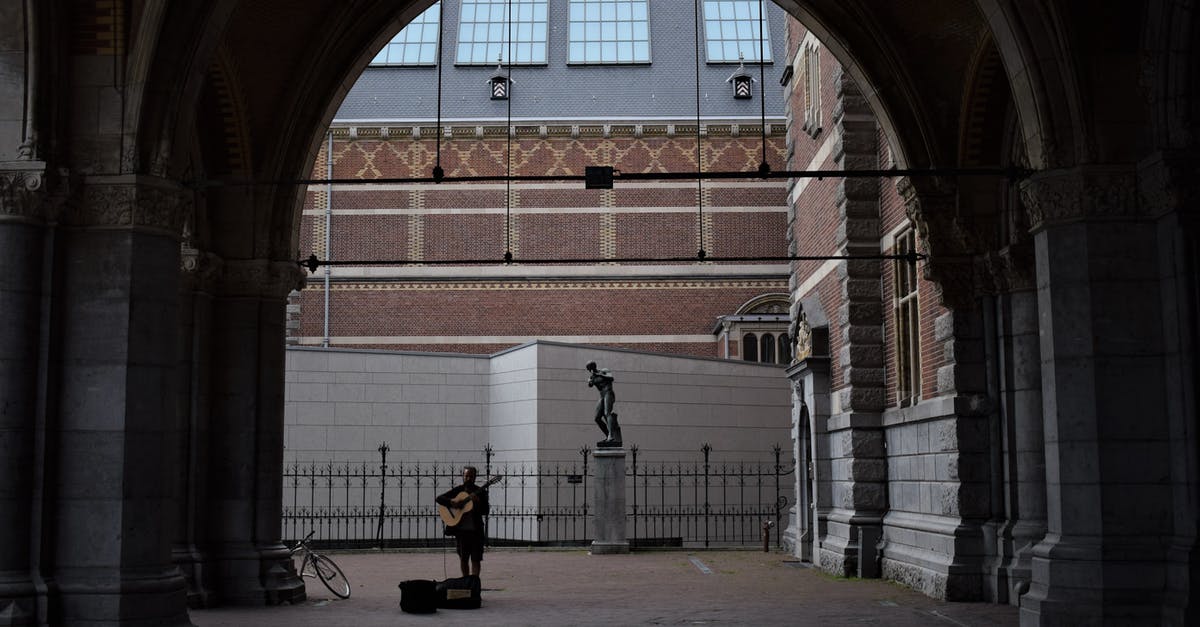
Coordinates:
419	596
459	593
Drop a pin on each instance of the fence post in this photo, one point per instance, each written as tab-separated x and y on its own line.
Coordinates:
778	505
707	448
487	461
383	451
634	449
585	451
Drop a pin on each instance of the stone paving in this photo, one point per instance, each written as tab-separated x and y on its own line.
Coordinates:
522	587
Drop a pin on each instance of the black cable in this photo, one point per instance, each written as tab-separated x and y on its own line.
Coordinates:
312	263
700	254
1013	173
438	172
508	150
763	167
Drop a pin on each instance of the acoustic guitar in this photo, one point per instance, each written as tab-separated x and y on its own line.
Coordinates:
461	505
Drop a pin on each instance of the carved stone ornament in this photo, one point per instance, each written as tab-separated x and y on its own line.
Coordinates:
801	339
1010	269
1081	193
260	278
130	201
1168	181
946	237
22	191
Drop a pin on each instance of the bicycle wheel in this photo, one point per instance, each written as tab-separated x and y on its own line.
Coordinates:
332	576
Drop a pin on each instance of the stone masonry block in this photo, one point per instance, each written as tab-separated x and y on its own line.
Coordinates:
963	351
943	437
858	209
862	189
860	289
874	470
863	399
862	313
862	335
857	375
859	268
943	327
857	230
862	355
863	443
871	496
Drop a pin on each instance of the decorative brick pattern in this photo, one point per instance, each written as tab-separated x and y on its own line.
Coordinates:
100	27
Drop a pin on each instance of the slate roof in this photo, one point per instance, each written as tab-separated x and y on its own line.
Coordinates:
666	88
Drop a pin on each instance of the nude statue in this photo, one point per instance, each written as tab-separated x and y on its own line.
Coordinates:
606	418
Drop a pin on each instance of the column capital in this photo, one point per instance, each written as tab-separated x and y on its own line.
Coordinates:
1010	269
22	190
1169	182
198	270
1081	193
260	278
129	201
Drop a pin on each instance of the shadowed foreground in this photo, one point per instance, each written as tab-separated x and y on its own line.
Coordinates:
574	588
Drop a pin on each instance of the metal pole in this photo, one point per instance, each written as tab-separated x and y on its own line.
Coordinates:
383	451
707	448
633	449
328	229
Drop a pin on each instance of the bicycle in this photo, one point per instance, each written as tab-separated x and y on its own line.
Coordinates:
323	568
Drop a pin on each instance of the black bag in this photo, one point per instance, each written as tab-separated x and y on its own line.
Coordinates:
419	596
460	593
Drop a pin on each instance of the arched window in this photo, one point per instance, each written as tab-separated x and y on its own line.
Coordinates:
767	353
749	347
785	349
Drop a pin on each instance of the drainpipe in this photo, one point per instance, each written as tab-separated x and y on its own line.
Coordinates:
328	221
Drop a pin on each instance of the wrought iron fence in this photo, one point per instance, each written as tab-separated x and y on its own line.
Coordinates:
698	503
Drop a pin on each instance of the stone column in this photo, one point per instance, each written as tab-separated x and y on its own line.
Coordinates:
1169	188
199	272
21	251
608	502
245	461
1107	441
1018	381
115	302
856	434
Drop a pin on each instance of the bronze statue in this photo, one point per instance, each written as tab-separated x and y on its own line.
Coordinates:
606	418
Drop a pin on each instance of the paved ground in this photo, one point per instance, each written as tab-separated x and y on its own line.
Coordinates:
646	588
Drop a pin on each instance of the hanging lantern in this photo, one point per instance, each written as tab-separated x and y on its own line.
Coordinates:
499	83
742	82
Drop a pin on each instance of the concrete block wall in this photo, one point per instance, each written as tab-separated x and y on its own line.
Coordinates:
341	405
531	403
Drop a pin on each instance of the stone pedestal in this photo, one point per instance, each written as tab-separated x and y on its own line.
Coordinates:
608	502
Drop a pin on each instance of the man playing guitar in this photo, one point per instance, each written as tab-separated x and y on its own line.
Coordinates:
470	532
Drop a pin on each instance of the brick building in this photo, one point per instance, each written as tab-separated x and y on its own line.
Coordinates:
630	102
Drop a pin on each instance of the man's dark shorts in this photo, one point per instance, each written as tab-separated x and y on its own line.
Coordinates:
470	545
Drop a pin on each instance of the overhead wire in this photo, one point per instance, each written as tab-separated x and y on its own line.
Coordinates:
699	162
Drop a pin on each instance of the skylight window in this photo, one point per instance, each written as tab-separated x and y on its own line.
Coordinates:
607	31
483	32
732	28
415	44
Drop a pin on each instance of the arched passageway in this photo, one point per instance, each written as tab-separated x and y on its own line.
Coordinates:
139	307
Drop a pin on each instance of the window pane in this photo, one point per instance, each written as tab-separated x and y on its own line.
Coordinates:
620	28
484	26
732	28
407	47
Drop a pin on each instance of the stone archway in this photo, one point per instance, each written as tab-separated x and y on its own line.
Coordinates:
103	133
